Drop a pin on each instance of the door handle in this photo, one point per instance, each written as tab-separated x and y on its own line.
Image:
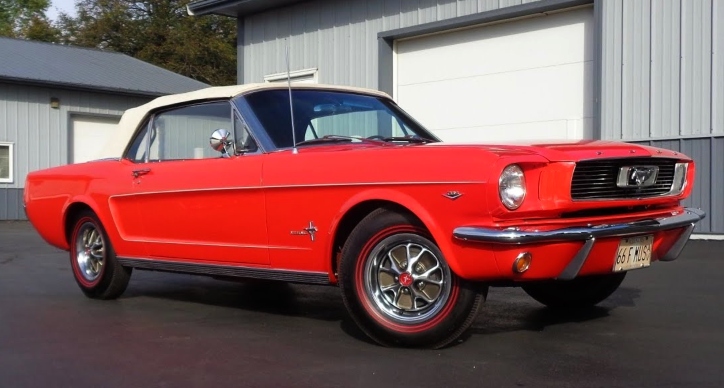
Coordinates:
144	171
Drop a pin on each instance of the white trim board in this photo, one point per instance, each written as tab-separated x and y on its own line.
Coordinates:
717	237
11	164
305	75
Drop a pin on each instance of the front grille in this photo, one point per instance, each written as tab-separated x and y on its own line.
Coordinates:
596	179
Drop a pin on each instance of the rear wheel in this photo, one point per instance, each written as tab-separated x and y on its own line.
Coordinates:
93	260
581	292
398	287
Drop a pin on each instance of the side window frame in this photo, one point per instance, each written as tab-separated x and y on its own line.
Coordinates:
144	130
236	115
255	127
142	133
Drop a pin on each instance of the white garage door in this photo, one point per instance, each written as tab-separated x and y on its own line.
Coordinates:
529	79
89	135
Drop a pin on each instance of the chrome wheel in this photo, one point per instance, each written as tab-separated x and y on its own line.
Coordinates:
407	281
90	252
397	286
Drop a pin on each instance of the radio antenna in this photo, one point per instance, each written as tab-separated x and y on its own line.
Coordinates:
291	106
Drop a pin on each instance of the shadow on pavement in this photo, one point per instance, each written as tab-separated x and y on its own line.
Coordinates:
512	315
271	297
508	313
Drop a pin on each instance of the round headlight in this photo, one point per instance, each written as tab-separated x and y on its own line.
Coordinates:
511	187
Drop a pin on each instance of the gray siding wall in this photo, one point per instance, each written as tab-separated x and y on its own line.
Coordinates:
11	204
339	38
40	133
663	69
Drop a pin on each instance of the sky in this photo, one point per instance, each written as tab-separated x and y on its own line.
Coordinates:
56	6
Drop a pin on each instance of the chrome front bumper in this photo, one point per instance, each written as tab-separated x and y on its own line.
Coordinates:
685	219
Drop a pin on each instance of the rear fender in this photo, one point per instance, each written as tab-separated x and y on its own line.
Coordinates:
93	205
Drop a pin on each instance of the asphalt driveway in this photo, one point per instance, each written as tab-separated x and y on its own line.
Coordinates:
663	328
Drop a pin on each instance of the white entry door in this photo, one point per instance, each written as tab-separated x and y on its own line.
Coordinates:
529	79
89	135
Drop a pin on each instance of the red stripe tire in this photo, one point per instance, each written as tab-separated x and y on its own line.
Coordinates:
398	288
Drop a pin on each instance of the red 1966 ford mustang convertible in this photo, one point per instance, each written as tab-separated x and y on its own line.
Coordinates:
339	186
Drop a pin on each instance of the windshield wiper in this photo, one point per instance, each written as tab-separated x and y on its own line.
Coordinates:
333	139
411	139
350	139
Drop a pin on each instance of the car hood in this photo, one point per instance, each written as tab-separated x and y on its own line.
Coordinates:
568	151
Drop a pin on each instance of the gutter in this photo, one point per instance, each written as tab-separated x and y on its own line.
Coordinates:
206	7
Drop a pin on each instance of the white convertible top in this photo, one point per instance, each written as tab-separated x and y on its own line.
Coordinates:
132	117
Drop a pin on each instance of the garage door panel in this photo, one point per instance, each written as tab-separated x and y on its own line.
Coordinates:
533	43
523	79
556	93
537	131
90	134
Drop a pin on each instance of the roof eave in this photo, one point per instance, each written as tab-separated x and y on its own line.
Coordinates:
208	7
234	8
81	87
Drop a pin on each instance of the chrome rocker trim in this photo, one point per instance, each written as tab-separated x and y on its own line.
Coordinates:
686	219
302	277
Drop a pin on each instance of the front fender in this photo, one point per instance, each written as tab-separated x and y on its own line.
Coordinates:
441	237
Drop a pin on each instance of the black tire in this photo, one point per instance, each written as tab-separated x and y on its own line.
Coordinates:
107	280
579	293
443	312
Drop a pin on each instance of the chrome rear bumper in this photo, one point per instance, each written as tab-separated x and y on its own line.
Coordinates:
685	219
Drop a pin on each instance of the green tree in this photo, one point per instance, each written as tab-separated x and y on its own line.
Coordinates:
26	19
159	32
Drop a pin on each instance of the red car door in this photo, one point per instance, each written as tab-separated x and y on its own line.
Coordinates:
210	209
123	208
196	204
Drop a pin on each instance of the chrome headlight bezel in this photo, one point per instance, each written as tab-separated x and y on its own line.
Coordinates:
511	187
680	181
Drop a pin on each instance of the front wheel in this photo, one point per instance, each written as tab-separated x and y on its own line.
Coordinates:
398	288
581	292
95	268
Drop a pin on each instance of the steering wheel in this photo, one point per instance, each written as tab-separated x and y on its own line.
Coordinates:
376	137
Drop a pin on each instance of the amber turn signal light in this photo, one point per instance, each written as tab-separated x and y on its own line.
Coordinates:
522	262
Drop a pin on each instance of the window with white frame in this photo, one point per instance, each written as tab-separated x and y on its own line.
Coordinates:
298	76
6	162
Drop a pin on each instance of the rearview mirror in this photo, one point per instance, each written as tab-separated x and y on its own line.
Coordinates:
220	140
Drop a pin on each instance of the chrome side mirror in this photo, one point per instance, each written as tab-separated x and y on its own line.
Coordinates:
220	141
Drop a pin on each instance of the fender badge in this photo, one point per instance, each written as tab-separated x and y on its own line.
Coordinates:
310	230
453	195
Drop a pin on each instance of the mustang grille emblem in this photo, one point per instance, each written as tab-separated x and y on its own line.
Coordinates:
637	176
310	230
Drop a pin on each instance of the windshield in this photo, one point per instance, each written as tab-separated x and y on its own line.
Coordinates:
319	113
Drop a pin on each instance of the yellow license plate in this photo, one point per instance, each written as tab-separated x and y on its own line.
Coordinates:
633	252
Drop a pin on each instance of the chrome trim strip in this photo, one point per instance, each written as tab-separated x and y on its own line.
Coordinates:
262	187
513	236
214	244
226	270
